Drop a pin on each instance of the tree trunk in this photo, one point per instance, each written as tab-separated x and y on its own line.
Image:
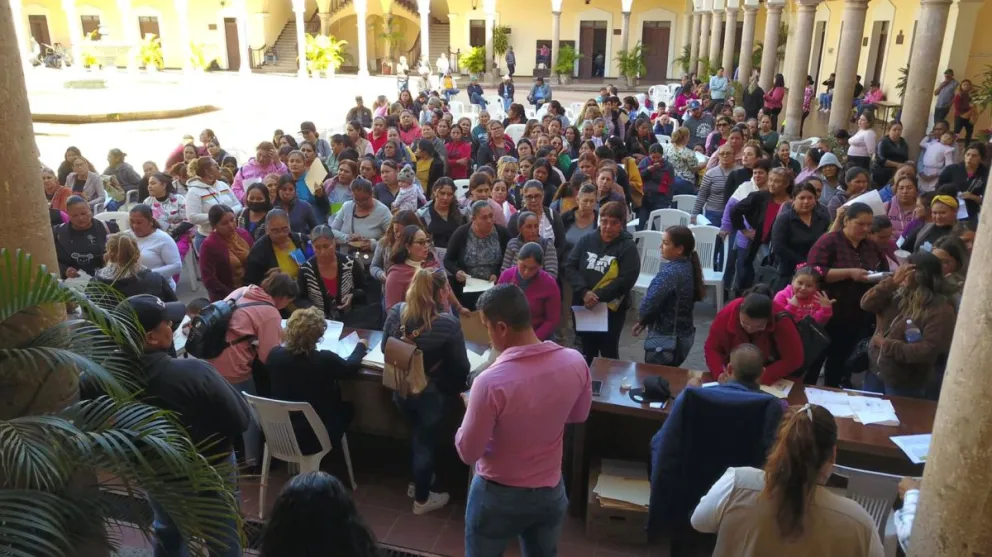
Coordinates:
24	225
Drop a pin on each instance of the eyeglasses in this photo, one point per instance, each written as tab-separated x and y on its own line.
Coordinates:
421	242
534	196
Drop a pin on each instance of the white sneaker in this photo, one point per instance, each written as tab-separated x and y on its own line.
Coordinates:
434	502
411	489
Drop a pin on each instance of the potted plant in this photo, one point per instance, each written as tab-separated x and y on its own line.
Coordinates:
474	61
90	61
565	65
324	54
981	90
52	503
501	44
150	53
683	61
198	57
631	64
394	39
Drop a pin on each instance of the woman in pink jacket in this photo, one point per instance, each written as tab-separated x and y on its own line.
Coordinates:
539	287
773	100
256	169
254	330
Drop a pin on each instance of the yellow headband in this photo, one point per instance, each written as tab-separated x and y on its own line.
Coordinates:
946	200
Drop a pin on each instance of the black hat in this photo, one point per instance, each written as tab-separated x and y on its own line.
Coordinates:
307	127
656	389
152	311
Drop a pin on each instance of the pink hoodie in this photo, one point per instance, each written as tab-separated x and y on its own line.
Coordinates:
811	307
253	172
262	322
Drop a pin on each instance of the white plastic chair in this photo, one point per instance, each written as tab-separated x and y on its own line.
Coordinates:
493	100
542	111
876	492
795	146
685	202
131	198
577	108
706	241
663	139
122	219
530	112
191	268
515	131
641	97
661	219
649	249
457	108
280	440
461	188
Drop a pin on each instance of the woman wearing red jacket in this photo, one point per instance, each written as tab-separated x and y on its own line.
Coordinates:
755	319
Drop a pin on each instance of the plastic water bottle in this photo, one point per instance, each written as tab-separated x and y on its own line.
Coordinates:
913	333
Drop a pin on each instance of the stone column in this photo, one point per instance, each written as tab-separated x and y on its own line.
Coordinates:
490	22
555	37
923	71
361	11
747	44
182	14
299	9
956	495
424	7
325	23
797	78
847	63
625	31
244	47
704	39
769	53
75	33
729	42
17	15
130	33
715	39
694	41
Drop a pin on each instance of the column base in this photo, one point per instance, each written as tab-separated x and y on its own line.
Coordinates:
363	73
302	74
244	71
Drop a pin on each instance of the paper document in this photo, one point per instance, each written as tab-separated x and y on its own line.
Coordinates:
629	469
916	447
316	175
375	358
871	199
962	208
836	403
636	492
710	384
473	329
179	337
780	388
871	410
473	284
475	361
591	320
346	346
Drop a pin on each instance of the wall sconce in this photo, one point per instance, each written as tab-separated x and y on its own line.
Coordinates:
475	4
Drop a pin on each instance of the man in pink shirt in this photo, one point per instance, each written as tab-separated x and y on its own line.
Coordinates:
513	429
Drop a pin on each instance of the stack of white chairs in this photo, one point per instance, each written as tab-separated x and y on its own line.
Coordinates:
515	131
661	219
685	202
706	242
649	249
457	108
877	493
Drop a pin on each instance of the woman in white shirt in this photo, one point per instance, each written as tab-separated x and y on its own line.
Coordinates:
785	510
861	146
203	192
937	155
158	250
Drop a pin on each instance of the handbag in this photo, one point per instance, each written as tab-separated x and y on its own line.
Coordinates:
403	363
813	338
659	343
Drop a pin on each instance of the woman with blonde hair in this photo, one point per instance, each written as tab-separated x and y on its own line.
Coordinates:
124	272
785	509
438	334
683	158
300	372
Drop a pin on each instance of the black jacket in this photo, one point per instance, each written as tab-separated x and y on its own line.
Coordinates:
926	234
145	281
957	174
753	102
556	225
486	155
735	179
81	249
753	208
887	150
313	378
591	259
262	257
792	239
792	166
443	345
454	258
567	220
351	280
206	404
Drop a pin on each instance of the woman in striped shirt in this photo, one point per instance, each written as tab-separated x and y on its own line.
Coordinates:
710	199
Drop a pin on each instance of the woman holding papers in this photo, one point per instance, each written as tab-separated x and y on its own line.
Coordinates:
410	253
540	288
915	313
475	251
602	269
785	510
330	281
300	373
944	211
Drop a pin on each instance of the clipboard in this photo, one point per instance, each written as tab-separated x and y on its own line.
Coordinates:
315	175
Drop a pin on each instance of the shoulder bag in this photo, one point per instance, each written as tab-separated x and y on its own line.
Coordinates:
403	363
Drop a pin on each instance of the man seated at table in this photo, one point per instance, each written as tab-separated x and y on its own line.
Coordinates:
757	320
744	370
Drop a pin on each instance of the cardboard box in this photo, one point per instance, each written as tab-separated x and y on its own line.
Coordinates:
611	524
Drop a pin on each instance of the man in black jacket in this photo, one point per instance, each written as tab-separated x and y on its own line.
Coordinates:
210	409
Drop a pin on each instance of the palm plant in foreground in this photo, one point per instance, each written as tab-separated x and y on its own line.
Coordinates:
64	460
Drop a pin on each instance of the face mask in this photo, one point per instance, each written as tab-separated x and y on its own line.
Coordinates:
257	207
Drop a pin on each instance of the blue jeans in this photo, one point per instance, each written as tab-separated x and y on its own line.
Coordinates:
448	93
169	542
476	98
715	217
198	241
744	270
496	514
253	435
507	101
826	99
650	203
424	412
874	384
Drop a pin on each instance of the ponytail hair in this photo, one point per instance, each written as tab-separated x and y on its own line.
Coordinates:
682	237
423	297
805	442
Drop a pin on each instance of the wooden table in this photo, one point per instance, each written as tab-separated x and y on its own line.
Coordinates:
629	425
882	110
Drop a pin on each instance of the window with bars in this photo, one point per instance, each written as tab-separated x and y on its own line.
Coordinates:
476	32
91	26
148	25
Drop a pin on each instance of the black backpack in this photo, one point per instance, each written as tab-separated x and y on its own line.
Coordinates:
814	339
208	331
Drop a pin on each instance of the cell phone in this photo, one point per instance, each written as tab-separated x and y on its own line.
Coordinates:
877	277
597	388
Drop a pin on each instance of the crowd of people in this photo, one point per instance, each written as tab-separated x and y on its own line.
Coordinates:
384	226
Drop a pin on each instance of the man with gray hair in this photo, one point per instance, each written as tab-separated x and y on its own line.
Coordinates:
531	391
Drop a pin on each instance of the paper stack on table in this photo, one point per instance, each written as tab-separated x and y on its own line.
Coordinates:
836	403
623	484
375	358
346	346
916	447
871	410
473	284
780	388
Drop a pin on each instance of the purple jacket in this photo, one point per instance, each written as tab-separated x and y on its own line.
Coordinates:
253	172
215	265
544	299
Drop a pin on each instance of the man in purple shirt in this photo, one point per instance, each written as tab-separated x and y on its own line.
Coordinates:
513	429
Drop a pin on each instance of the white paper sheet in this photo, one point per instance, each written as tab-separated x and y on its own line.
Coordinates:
591	320
375	358
871	410
473	284
962	208
780	388
346	346
871	199
179	337
916	447
836	403
475	361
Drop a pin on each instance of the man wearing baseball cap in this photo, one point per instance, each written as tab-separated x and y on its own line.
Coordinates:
360	113
699	123
206	404
309	132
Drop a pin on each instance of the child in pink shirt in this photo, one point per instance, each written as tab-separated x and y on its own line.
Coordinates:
804	298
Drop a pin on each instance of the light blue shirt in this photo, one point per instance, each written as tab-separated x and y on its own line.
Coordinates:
718	88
